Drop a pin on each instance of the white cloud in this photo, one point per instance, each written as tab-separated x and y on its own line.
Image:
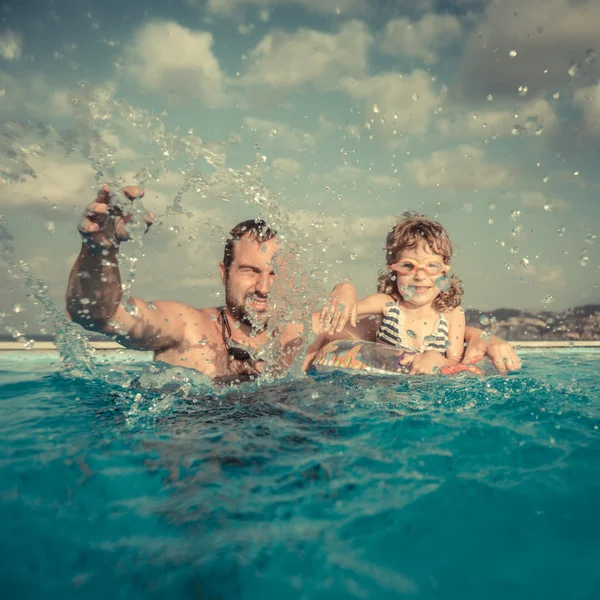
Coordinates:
539	43
588	100
11	45
32	94
278	131
539	200
58	182
534	117
553	274
354	176
396	105
283	62
461	168
420	39
286	166
343	7
166	57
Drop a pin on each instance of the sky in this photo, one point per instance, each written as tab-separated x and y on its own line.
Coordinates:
328	118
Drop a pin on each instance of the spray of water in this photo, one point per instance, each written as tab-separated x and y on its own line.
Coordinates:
76	352
99	117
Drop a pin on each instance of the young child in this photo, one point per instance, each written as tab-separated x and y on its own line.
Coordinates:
418	296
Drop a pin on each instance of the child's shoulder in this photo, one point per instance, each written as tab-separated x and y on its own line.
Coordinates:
454	314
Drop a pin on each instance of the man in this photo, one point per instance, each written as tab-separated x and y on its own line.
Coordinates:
227	343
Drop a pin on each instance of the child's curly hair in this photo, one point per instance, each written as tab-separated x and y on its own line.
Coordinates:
411	230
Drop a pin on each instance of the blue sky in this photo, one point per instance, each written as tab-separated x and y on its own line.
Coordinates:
484	115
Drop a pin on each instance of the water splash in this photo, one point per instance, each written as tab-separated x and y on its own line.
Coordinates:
75	350
100	120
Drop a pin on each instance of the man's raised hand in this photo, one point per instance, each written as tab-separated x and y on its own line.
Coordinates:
103	226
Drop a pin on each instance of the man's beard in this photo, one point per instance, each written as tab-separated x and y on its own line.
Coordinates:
257	320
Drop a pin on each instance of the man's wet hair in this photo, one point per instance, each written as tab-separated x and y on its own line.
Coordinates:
257	229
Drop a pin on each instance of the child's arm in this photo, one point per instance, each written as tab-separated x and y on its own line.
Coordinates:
373	305
456	333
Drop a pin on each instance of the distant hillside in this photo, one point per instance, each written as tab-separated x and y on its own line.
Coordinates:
579	323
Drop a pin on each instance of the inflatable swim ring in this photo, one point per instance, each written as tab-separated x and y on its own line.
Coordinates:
358	356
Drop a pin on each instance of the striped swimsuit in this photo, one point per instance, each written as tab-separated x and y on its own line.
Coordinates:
392	331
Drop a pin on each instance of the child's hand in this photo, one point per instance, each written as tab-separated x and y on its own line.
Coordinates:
427	363
342	307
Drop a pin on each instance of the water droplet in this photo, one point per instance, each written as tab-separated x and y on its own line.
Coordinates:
375	108
523	89
590	56
407	292
84	301
548	299
353	256
50	226
573	69
524	262
29	345
490	97
548	207
512	53
556	95
584	260
514	250
485	335
17	308
515	214
545	179
590	238
443	283
411	333
561	230
131	309
484	320
500	243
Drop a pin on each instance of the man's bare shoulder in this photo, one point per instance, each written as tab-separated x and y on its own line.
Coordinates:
195	320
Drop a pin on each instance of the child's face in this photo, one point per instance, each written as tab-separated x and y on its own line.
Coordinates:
419	275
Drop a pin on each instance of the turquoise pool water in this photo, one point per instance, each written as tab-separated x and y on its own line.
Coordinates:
325	487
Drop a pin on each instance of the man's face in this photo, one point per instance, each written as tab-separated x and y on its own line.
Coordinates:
249	280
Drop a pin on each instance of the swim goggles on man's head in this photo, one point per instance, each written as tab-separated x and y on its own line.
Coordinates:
408	266
236	351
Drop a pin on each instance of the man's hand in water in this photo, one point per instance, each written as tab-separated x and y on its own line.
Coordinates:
104	224
340	308
501	353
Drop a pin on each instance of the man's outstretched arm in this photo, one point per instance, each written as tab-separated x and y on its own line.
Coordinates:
501	353
94	291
